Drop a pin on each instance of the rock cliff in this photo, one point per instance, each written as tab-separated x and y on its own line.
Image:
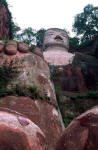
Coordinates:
4	22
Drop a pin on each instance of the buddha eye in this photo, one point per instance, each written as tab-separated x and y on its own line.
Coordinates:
64	36
49	34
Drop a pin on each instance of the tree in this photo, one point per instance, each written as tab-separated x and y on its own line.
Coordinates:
40	37
15	30
28	36
73	42
86	23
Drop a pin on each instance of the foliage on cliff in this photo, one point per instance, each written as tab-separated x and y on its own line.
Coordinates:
11	23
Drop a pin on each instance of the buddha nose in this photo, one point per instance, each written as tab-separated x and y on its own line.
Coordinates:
58	37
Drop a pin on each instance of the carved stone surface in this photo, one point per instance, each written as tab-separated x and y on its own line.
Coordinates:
56	37
58	57
44	115
23	47
18	132
31	70
82	133
80	76
56	45
11	48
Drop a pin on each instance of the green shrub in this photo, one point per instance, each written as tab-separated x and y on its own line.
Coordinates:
58	91
20	91
45	97
7	72
33	92
89	94
11	23
92	94
5	91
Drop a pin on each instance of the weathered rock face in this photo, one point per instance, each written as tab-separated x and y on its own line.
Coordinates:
1	46
70	78
4	22
40	112
73	104
82	133
18	132
56	45
32	70
27	71
80	76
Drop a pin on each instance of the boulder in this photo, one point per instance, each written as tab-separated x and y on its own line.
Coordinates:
1	46
11	48
18	132
23	47
82	133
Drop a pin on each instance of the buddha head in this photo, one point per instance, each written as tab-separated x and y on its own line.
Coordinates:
55	37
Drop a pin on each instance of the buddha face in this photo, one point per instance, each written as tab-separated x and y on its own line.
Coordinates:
56	37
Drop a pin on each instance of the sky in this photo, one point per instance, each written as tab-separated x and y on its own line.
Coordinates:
47	13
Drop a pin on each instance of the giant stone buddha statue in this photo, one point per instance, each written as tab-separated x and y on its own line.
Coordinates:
55	46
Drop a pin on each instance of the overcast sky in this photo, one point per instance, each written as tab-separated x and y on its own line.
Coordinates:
47	13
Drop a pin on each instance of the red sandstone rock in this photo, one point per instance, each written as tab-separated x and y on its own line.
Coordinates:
11	48
23	47
4	23
44	115
70	78
32	70
82	133
1	46
38	52
19	133
58	57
